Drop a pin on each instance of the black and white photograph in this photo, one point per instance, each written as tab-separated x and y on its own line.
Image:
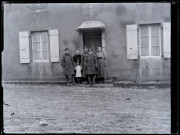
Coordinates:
87	68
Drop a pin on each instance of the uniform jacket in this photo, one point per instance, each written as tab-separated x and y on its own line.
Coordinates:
84	63
68	64
91	64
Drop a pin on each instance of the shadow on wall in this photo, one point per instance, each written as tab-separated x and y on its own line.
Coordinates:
76	44
65	42
125	19
124	23
120	10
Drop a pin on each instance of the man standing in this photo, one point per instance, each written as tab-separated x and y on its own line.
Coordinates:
84	63
91	67
68	66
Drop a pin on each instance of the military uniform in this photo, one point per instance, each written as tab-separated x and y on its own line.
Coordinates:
68	65
84	64
91	68
91	64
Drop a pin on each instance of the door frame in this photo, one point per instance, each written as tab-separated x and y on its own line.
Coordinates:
102	40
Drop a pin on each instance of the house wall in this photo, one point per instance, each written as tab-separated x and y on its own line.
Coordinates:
66	18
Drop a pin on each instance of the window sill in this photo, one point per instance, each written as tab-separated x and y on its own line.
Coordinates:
41	61
150	57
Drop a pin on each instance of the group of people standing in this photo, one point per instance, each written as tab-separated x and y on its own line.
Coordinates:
87	66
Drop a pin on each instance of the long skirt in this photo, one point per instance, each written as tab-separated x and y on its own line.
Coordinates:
101	68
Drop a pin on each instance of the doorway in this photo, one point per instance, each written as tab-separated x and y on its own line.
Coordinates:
92	39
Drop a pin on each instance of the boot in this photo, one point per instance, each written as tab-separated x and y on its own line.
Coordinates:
88	79
93	80
73	80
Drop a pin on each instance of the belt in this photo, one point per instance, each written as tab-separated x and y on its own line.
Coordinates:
100	58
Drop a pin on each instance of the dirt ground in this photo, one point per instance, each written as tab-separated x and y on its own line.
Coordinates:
79	109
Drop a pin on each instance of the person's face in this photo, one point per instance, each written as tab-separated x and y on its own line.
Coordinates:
67	51
99	49
77	64
90	52
77	52
85	49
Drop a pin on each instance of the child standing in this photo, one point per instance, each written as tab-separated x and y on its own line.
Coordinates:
78	69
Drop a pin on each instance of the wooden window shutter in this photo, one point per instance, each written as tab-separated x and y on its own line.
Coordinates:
167	39
54	45
24	47
132	42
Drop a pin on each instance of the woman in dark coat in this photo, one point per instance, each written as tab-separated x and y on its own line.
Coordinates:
68	66
91	67
84	63
77	57
101	63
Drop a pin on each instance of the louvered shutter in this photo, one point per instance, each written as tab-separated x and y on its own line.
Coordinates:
54	45
167	39
132	42
24	47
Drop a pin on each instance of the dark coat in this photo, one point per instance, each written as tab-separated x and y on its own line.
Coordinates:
91	64
101	64
84	63
68	65
77	58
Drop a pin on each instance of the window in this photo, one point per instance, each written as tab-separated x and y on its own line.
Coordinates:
44	46
40	47
150	40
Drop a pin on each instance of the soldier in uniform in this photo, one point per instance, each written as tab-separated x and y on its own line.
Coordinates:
68	65
84	64
91	67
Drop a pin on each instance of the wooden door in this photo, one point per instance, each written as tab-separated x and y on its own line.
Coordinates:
92	39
